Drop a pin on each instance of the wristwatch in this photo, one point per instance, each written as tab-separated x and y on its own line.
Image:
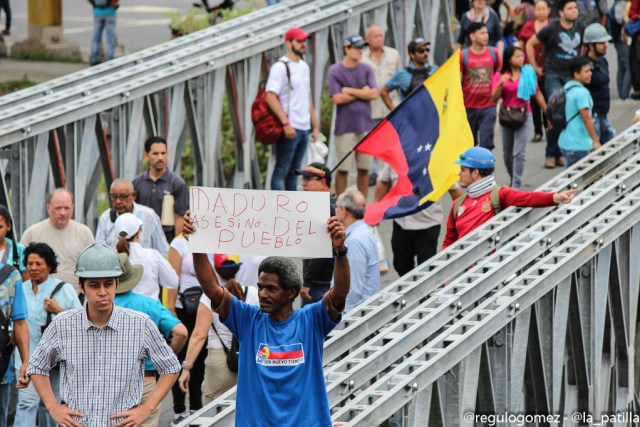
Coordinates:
338	253
186	366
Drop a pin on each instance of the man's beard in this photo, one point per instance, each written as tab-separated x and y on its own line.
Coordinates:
297	52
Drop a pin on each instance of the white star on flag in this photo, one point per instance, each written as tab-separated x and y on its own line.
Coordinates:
424	171
419	148
427	147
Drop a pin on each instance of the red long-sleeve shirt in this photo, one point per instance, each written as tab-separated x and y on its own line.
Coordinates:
476	211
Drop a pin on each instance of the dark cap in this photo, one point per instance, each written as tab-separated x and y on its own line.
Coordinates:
295	33
417	43
316	169
354	40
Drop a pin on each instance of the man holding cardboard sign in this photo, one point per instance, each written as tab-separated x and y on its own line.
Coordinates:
278	342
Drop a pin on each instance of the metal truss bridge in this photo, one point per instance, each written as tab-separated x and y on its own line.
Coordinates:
533	314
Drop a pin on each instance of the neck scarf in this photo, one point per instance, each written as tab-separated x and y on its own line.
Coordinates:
481	187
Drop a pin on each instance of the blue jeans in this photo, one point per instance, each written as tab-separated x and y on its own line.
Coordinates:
289	155
30	406
623	78
553	82
604	129
316	292
571	157
101	23
482	122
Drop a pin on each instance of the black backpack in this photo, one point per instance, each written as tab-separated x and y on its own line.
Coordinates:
234	351
6	344
556	109
418	76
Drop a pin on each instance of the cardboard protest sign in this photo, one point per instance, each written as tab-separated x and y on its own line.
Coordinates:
258	222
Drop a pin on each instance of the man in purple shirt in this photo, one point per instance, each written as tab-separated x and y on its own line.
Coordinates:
352	85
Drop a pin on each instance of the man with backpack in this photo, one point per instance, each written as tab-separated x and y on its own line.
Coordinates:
289	98
579	136
562	40
104	19
13	312
405	80
596	39
478	64
484	199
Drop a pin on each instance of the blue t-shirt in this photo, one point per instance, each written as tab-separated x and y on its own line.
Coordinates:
14	306
401	79
159	314
575	136
280	380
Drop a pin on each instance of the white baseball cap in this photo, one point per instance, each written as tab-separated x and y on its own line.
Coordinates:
128	223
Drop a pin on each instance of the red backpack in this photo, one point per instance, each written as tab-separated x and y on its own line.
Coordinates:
269	129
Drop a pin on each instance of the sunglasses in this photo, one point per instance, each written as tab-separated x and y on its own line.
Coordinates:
421	50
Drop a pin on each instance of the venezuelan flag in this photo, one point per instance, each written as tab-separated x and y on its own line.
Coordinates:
420	140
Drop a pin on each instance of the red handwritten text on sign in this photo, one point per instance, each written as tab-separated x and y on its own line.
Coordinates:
287	223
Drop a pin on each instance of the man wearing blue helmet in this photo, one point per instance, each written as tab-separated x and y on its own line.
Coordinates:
484	199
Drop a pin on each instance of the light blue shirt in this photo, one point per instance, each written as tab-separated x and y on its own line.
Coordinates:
66	297
575	136
151	237
159	314
401	79
14	306
104	11
363	264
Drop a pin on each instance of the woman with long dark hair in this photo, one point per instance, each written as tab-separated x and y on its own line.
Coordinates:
516	85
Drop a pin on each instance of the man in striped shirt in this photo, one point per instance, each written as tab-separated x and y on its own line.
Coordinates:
101	349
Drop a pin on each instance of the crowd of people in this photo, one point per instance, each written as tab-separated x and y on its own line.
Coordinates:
86	356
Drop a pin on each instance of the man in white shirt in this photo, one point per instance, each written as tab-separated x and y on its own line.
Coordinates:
289	98
65	236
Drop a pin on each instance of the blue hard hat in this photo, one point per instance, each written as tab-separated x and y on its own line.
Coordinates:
477	158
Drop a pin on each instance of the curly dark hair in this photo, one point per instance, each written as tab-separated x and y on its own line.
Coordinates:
286	270
45	252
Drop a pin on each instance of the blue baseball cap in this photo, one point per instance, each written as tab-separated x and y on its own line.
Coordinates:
354	40
477	158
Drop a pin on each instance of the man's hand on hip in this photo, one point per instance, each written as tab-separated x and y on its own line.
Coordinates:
134	417
63	416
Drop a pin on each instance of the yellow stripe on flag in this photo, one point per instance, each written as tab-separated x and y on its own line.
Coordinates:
445	89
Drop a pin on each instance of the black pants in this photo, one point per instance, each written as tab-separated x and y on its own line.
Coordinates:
407	245
539	118
4	4
197	372
634	61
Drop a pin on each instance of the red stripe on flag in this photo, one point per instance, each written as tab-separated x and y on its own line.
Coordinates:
383	142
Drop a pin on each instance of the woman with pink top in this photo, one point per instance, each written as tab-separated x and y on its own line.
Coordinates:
516	85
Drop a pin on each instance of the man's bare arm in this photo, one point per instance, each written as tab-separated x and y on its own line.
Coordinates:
206	276
335	299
